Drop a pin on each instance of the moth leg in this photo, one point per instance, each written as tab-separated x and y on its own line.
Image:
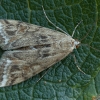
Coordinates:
43	74
77	65
76	27
53	23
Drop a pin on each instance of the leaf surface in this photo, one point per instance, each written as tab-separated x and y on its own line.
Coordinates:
63	81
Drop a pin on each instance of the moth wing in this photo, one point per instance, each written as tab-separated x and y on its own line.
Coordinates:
18	66
15	34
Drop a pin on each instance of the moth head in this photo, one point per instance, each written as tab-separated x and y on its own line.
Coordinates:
76	44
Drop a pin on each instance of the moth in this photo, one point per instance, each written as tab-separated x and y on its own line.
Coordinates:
30	49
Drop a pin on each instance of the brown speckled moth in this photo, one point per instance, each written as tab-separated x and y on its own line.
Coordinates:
30	49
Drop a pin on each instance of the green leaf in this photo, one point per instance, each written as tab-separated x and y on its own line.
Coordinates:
63	81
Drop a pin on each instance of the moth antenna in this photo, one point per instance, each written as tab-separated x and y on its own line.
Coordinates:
76	27
91	47
84	37
77	65
53	23
94	48
59	27
63	32
86	34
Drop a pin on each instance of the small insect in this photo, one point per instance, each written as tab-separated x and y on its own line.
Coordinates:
30	49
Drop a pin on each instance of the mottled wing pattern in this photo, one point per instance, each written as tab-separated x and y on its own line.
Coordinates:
29	49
